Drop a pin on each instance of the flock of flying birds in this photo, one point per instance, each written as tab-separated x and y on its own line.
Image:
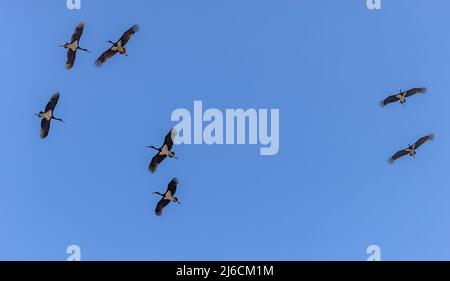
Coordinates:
401	97
117	47
165	150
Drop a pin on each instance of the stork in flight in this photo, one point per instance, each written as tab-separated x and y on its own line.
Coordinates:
117	47
402	96
164	151
47	115
167	197
74	45
411	149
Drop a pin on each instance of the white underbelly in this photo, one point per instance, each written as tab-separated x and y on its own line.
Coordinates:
48	115
164	151
169	196
74	46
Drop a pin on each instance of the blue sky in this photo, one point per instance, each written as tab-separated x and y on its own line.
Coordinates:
327	195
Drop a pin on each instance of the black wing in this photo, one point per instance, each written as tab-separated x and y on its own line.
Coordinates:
168	140
52	103
78	32
71	55
414	91
160	206
156	160
128	34
104	57
172	186
423	140
45	128
399	154
389	100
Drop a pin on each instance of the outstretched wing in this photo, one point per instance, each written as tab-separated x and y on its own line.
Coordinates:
423	140
71	55
168	140
156	160
104	57
414	91
52	103
160	206
389	100
172	186
45	128
78	32
128	34
397	155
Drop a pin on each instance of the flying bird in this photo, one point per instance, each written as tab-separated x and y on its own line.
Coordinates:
117	47
402	96
411	150
73	46
164	151
167	197
47	115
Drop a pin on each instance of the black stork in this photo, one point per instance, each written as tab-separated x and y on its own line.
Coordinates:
47	115
411	150
167	197
73	46
164	151
402	95
117	47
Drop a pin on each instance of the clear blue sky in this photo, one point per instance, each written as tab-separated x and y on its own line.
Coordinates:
327	195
